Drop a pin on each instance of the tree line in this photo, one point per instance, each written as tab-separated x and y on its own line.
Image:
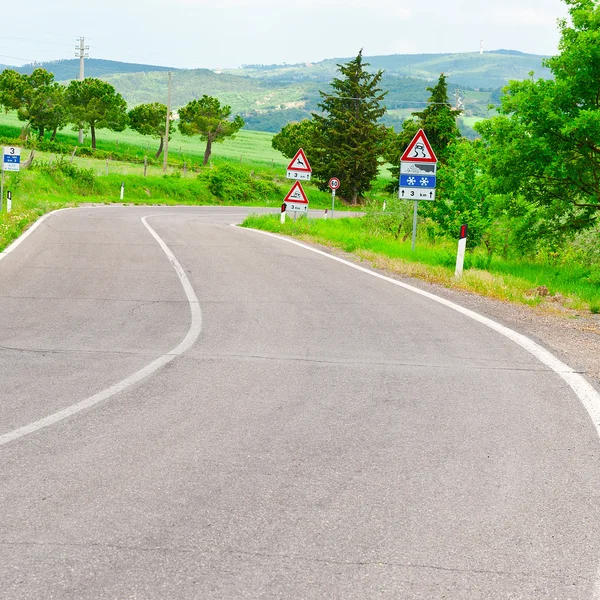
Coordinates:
46	105
530	182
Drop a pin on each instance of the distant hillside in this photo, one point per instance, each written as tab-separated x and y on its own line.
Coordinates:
477	71
270	96
65	70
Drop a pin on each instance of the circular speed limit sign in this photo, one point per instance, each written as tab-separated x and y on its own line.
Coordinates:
334	183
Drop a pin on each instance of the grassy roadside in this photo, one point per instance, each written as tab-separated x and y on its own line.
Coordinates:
557	288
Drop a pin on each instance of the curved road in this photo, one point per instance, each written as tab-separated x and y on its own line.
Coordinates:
321	433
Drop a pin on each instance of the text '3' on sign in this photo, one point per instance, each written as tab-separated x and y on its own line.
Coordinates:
299	168
11	158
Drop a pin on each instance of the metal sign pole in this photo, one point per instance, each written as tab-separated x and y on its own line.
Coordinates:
332	202
414	235
2	189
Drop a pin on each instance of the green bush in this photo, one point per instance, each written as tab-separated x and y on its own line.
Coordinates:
63	167
234	184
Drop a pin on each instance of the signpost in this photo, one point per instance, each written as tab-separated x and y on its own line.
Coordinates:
11	161
418	168
334	184
299	169
296	200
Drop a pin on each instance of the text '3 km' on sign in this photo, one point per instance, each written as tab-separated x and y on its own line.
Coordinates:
418	168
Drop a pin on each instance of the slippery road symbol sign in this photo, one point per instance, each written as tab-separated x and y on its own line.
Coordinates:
419	150
296	195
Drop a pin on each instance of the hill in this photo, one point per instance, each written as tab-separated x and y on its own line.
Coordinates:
269	96
67	69
470	69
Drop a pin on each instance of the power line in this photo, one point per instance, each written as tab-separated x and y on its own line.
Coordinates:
17	58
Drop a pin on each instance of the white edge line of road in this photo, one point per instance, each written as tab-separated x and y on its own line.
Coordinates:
25	235
185	344
587	394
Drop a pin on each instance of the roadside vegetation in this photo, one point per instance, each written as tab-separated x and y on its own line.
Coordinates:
528	189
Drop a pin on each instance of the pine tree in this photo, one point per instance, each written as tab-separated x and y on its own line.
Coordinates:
348	138
439	119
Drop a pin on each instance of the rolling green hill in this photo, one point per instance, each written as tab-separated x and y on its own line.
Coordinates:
469	69
67	69
269	96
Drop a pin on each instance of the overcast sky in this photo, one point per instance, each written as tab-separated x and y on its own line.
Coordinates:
229	33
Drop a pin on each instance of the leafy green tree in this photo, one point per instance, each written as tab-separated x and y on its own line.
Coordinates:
209	120
37	98
150	119
95	104
463	195
348	141
294	136
545	145
12	89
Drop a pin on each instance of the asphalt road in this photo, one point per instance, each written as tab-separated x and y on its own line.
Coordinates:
321	433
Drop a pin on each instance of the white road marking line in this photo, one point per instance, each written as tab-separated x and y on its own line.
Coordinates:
25	235
186	344
587	394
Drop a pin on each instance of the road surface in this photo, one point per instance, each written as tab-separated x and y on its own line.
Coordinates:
193	410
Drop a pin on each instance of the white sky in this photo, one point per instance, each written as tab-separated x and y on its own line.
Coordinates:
229	33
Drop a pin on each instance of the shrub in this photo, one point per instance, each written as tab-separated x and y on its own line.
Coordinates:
234	184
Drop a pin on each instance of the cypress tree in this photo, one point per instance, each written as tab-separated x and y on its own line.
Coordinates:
348	138
439	119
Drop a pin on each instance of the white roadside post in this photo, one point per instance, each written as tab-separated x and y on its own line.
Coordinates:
11	161
334	184
283	213
462	247
8	201
418	167
122	190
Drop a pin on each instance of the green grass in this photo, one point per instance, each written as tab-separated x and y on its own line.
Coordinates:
568	285
247	147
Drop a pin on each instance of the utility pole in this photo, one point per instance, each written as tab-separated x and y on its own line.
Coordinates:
168	125
82	56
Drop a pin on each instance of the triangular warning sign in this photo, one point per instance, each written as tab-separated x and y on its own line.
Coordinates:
300	163
419	150
296	194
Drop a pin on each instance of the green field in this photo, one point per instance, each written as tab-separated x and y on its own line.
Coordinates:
247	146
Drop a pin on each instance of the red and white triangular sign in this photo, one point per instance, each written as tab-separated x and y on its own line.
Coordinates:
296	194
419	150
300	163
